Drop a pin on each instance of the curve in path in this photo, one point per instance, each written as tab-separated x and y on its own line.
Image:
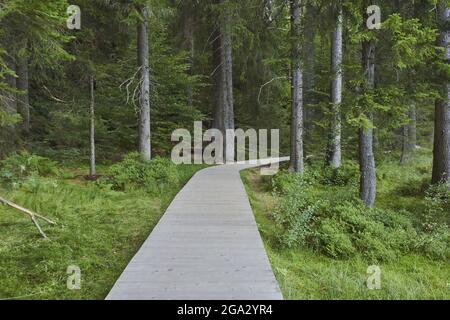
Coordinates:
205	247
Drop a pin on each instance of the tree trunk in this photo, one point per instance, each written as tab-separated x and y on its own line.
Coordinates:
412	128
11	98
144	92
441	153
309	55
368	182
23	105
217	76
409	132
297	163
226	58
189	42
92	169
334	149
8	134
409	136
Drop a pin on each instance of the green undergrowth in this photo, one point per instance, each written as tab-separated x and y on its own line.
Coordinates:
100	225
321	239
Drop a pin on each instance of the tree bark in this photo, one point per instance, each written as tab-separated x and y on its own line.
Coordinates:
409	136
144	85
334	149
309	55
441	153
217	77
409	131
11	98
226	78
8	134
92	169
297	163
23	104
368	181
189	43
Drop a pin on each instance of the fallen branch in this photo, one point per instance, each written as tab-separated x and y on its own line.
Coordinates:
30	213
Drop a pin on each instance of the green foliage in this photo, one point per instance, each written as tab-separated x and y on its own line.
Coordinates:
438	200
8	119
305	273
346	175
296	211
98	229
435	244
19	166
340	226
156	176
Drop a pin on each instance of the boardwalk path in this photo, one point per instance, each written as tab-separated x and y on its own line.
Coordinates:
206	246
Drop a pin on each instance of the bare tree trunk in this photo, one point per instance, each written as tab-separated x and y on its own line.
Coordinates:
404	158
24	97
309	55
412	128
334	158
226	57
217	76
188	26
368	182
144	95
297	163
8	134
92	169
409	132
9	97
409	136
441	153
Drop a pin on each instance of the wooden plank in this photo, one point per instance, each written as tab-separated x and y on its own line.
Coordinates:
206	246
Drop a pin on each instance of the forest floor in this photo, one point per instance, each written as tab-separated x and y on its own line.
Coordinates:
305	274
99	230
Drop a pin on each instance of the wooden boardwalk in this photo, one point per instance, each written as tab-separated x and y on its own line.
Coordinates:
206	247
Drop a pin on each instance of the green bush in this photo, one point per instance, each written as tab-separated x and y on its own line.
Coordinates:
333	239
437	201
435	244
372	231
155	176
286	181
20	166
347	174
339	226
295	215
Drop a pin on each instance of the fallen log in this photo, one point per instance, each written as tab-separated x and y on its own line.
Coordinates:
33	215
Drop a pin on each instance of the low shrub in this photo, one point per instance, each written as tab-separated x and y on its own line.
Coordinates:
23	165
295	215
347	174
436	244
286	181
339	225
437	201
333	239
154	176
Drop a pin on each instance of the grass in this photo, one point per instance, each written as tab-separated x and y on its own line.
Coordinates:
99	230
305	274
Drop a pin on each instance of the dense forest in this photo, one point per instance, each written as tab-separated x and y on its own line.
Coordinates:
91	91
